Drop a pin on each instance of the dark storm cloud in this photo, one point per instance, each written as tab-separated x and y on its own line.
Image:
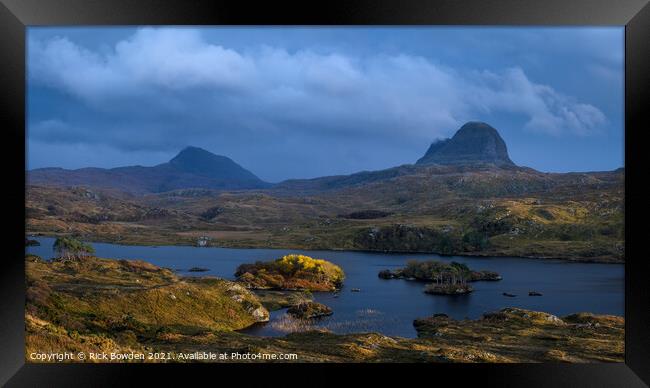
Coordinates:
285	113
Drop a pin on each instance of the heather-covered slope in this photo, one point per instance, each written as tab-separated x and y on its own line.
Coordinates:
110	305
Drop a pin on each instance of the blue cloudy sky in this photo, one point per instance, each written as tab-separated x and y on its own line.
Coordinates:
306	102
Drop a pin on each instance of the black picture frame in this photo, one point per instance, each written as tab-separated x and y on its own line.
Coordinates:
15	15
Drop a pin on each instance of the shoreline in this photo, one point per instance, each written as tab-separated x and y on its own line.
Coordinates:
517	333
475	255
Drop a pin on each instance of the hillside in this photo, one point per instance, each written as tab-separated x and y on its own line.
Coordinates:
491	211
123	307
192	168
478	205
110	305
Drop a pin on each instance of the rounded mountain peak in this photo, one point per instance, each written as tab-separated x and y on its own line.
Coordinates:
196	160
474	143
477	128
191	153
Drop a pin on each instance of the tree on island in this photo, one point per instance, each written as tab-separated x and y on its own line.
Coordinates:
462	271
454	273
68	248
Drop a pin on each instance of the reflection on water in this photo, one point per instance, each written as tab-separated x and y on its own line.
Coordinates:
390	306
365	320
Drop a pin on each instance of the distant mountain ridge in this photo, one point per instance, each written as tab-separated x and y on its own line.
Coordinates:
475	147
193	167
198	161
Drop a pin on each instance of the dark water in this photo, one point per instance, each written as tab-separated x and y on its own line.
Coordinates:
389	306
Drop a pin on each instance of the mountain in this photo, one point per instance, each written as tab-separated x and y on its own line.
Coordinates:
474	143
465	196
475	147
193	167
200	162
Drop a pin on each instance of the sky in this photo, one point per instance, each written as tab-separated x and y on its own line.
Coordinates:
289	102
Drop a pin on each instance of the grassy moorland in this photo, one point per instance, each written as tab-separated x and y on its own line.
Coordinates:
100	305
96	303
440	209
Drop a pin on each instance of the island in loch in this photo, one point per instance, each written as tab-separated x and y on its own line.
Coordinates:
442	278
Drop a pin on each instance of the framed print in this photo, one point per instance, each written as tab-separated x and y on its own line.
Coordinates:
434	188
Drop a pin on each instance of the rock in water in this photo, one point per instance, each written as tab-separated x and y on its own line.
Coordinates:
198	269
309	310
473	143
387	274
260	314
447	289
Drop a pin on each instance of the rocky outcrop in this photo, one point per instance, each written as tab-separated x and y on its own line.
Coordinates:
248	301
309	310
473	143
260	314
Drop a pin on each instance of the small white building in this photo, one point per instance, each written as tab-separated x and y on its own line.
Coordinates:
202	241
